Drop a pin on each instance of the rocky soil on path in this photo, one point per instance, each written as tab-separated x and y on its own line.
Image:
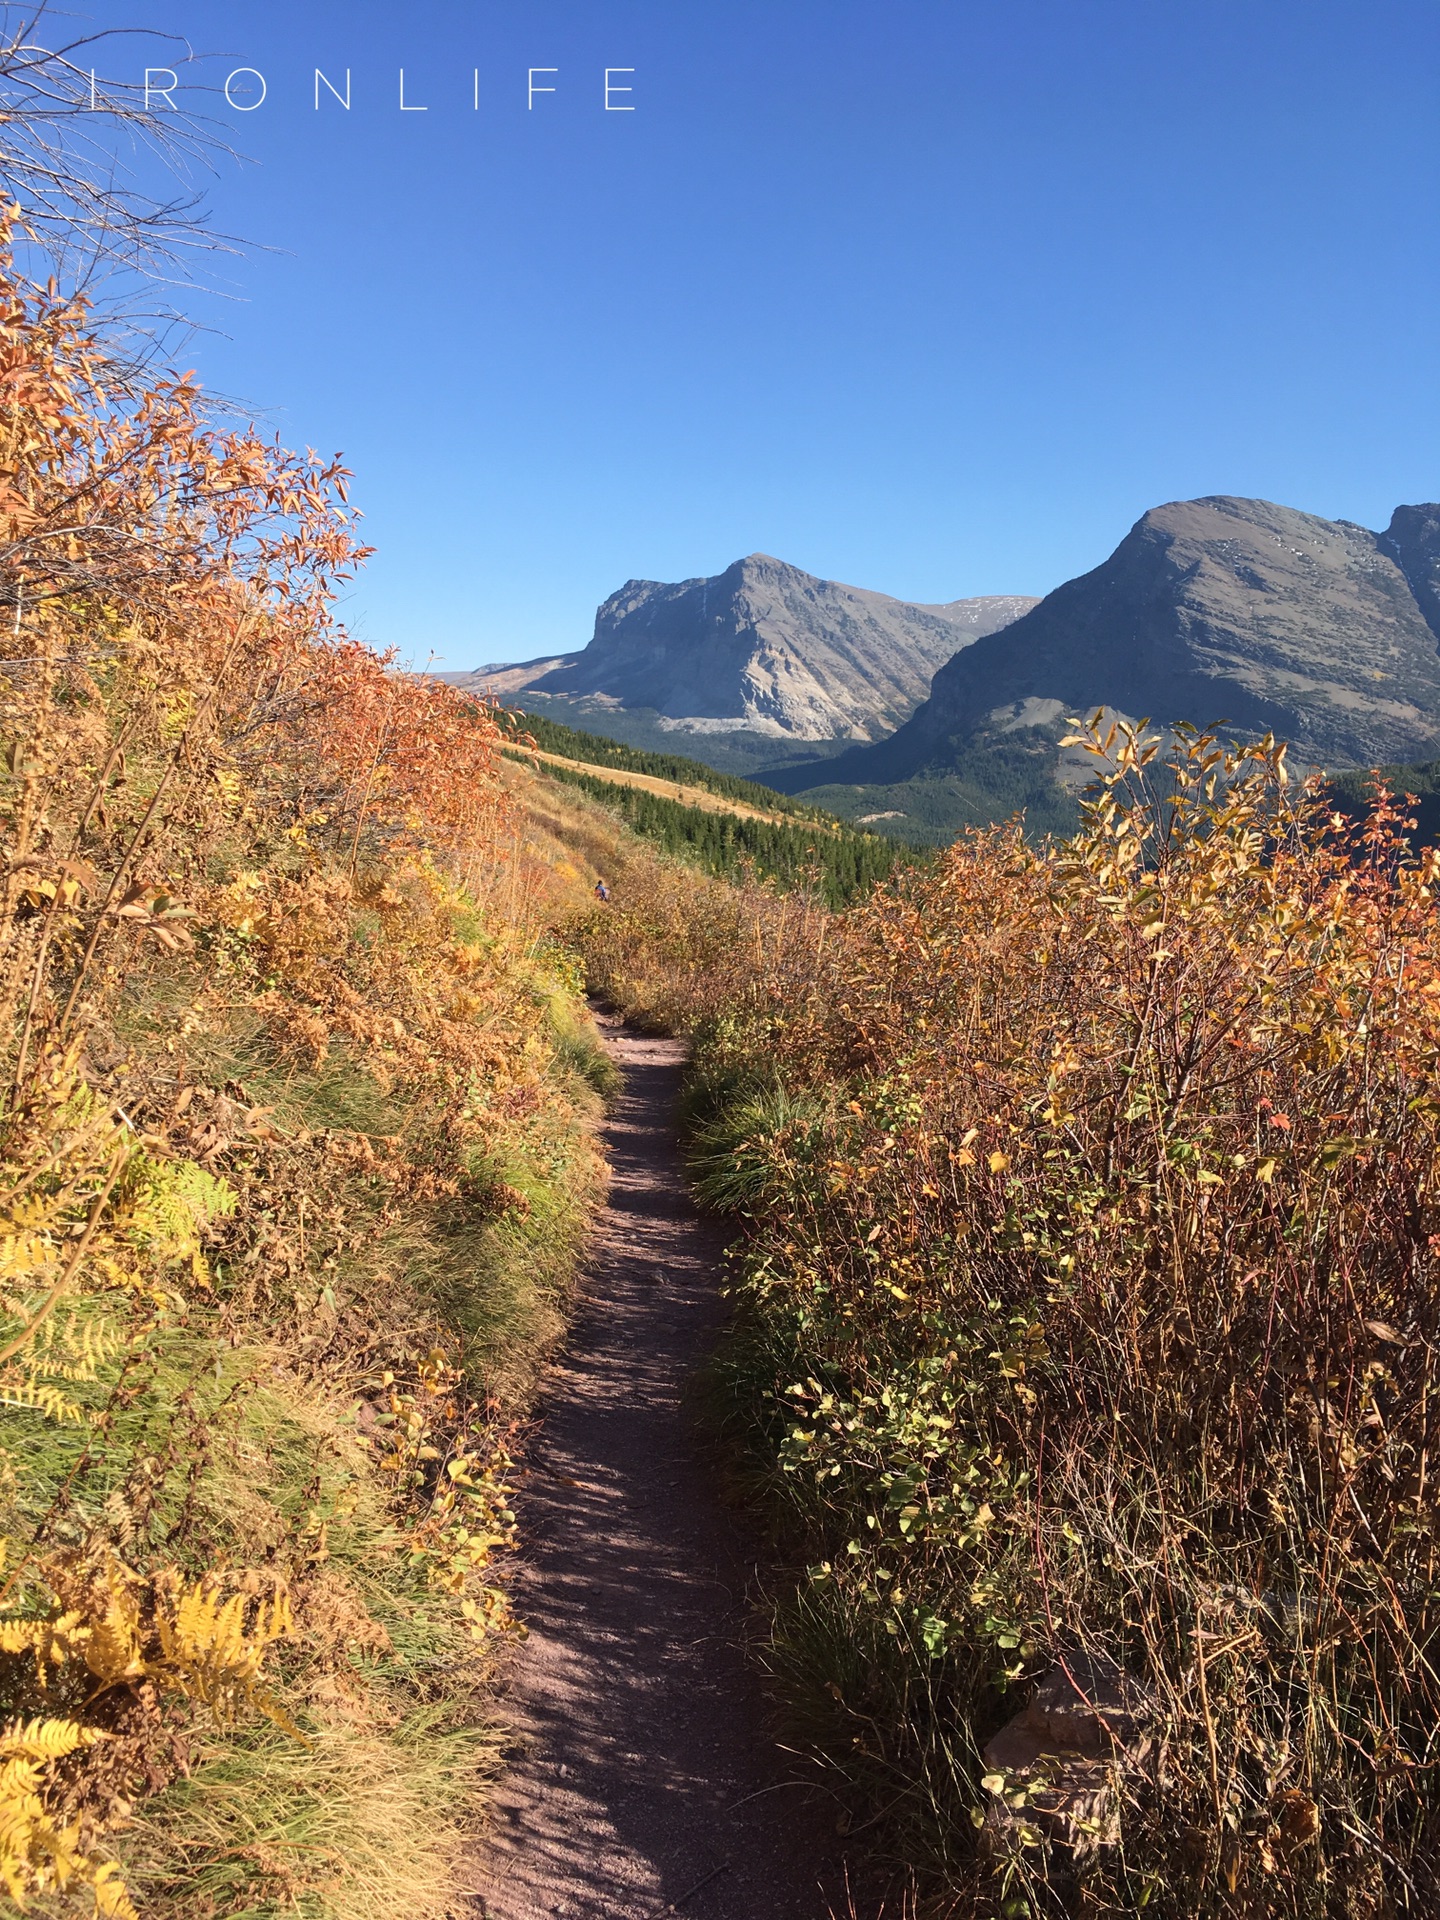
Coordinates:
645	1781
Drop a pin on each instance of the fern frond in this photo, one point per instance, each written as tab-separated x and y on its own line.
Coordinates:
207	1652
113	1649
112	1900
51	1641
168	1203
19	1636
40	1397
24	1254
39	1853
42	1739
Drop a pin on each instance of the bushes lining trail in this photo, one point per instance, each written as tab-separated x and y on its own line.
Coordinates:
1088	1222
297	1153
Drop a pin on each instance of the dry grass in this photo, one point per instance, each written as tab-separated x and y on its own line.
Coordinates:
359	1825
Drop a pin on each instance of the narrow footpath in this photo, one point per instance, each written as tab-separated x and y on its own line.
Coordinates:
645	1782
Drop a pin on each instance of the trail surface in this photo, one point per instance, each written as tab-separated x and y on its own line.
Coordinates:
645	1782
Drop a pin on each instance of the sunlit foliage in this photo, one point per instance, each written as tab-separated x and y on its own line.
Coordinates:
293	1158
1091	1321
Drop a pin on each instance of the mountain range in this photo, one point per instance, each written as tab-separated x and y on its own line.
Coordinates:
1219	610
762	648
1215	610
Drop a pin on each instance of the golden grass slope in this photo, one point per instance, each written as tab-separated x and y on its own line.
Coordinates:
298	1106
699	797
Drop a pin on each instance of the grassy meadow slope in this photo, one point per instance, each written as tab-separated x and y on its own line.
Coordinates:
1086	1354
671	769
297	1155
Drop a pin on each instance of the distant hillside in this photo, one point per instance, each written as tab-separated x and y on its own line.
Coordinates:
762	648
988	783
1209	610
596	750
1352	793
733	831
736	750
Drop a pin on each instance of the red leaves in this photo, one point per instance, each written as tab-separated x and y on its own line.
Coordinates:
414	755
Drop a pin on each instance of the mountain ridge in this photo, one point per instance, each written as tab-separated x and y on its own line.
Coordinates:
762	647
1216	610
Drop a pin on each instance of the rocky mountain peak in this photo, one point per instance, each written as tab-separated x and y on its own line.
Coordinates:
1219	609
766	647
1413	536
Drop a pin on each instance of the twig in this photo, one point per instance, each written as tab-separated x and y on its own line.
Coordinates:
704	1881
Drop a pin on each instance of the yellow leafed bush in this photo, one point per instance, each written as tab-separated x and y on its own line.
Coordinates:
294	1163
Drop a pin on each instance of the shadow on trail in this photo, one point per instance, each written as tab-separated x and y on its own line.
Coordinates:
645	1781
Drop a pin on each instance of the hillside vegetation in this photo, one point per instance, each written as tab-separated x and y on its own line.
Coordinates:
736	838
1417	785
987	779
297	1150
594	750
1087	1219
831	861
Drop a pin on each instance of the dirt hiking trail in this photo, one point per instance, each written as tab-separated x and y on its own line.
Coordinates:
645	1782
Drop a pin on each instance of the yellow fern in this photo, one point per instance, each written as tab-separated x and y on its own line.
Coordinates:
99	1619
112	1898
51	1641
206	1651
19	1636
209	1652
112	1652
42	1739
40	1397
38	1853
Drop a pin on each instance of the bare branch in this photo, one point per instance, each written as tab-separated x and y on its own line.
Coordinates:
112	189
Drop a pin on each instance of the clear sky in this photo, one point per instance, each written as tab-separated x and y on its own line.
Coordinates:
931	296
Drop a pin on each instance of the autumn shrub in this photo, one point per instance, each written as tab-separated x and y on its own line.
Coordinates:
1089	1327
680	951
296	1156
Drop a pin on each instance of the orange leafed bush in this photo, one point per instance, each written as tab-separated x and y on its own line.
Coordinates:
1093	1296
270	1068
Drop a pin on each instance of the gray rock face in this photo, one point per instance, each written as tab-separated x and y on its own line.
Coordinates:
1413	537
1214	610
766	648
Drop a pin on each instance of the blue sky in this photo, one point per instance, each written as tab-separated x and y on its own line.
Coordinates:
931	296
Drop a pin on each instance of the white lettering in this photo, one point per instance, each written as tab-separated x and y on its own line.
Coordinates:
239	105
609	90
343	98
530	103
403	107
164	92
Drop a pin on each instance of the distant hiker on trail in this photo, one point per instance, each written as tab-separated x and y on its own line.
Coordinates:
602	892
